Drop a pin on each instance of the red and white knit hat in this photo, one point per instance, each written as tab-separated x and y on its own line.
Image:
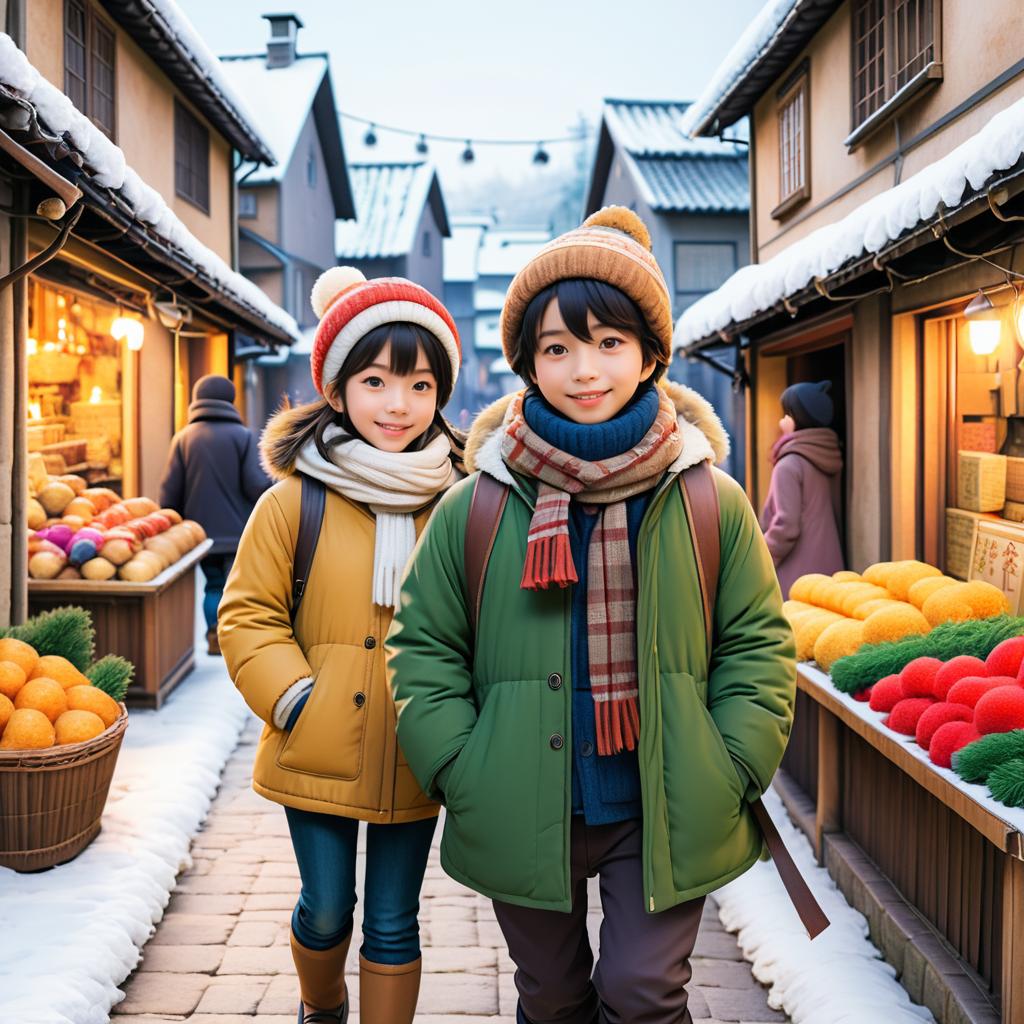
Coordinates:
349	307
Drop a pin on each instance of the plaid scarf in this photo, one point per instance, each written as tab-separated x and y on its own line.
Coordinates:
611	589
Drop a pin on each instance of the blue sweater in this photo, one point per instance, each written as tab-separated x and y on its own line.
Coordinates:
604	789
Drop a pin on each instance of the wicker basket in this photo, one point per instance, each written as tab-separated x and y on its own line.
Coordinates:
51	800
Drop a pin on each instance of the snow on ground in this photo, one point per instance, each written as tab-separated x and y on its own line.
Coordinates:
71	935
108	167
868	229
840	977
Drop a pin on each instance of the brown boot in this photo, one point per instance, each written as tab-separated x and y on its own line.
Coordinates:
388	992
322	978
212	641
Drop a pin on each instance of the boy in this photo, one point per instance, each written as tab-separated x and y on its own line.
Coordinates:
574	722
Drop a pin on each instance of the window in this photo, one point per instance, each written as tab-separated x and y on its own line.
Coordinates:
89	61
427	245
701	267
794	144
896	51
311	169
247	204
191	158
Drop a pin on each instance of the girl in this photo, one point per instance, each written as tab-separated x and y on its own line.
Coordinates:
385	359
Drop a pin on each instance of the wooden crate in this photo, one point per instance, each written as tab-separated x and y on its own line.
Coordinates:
981	481
151	624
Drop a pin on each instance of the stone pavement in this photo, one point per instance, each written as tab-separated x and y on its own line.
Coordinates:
221	956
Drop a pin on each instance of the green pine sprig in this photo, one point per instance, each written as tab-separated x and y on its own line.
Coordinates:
1006	783
65	631
977	761
112	674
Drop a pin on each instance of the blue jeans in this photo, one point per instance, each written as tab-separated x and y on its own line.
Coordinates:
215	569
396	859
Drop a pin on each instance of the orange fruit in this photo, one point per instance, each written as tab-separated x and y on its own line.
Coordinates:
90	698
27	729
53	666
77	727
6	710
45	695
12	678
20	653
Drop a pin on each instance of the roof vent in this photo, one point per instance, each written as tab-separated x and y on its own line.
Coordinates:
284	28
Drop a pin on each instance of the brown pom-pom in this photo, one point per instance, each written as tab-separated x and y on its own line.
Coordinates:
621	219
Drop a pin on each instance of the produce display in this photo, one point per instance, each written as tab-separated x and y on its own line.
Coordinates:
51	692
80	532
834	616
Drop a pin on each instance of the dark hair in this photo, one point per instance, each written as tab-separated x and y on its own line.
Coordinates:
407	341
576	297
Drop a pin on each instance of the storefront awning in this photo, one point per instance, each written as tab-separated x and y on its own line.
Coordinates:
124	216
963	206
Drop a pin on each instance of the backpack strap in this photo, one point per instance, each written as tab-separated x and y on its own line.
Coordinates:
311	517
700	498
485	509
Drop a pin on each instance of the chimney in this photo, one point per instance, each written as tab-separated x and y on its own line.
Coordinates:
281	45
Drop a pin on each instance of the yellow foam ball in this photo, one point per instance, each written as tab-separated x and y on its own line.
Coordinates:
920	591
807	631
801	588
948	604
836	641
985	600
791	608
895	623
866	608
879	572
859	594
903	577
845	576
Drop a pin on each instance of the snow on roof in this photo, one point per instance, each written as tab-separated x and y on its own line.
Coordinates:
868	229
108	168
653	128
283	96
389	202
461	251
505	251
489	299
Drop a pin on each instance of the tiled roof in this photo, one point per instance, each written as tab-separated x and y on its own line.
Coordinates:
389	203
652	128
695	186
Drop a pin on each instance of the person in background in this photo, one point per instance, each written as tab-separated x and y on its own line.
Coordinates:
803	512
213	475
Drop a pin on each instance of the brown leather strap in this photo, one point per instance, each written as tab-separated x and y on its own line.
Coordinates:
485	508
311	517
700	497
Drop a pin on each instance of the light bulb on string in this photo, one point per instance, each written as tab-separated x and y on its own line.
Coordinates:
541	156
468	156
421	145
984	327
370	138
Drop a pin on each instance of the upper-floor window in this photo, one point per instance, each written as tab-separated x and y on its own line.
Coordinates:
701	267
794	143
89	63
247	204
427	245
896	51
311	168
191	158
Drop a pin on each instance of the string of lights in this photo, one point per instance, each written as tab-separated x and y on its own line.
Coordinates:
423	139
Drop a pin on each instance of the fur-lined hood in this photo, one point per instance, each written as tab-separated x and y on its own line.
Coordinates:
704	437
274	442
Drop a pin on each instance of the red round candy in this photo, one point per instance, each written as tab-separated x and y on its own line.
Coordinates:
905	715
1005	658
863	695
954	670
918	677
886	694
1000	710
950	738
970	689
937	715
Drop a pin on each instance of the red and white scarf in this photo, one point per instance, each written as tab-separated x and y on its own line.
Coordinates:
611	591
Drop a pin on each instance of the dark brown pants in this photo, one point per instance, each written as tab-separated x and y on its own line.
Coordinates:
644	966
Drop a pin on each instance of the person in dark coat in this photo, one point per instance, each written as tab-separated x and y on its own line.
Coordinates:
213	476
802	515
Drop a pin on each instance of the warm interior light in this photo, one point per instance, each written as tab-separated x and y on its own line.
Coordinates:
129	330
96	395
35	411
31	346
49	346
984	336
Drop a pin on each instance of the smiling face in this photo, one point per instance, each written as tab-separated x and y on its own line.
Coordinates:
389	410
587	381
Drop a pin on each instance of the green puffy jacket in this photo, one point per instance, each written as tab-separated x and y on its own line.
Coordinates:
498	706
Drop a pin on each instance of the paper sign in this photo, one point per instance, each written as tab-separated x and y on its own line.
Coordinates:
998	558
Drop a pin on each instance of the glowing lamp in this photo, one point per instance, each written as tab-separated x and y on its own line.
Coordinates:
129	330
35	411
96	396
31	346
984	328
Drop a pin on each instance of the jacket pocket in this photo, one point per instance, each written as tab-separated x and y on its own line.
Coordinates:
328	737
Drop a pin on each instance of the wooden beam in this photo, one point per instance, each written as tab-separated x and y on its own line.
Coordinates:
830	767
1013	939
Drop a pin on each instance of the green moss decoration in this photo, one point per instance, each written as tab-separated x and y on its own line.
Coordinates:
1006	783
64	631
876	661
976	761
112	675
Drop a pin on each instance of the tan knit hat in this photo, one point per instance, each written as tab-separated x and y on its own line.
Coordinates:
613	246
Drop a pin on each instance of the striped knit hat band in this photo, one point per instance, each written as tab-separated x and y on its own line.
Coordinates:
350	307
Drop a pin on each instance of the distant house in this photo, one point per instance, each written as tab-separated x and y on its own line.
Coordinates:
694	197
460	266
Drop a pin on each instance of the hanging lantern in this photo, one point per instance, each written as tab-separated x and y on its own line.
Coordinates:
984	325
421	145
129	330
370	138
541	156
468	156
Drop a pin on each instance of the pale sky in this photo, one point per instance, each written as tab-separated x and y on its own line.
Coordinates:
479	69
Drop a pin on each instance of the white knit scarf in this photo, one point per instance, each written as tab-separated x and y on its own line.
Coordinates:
394	485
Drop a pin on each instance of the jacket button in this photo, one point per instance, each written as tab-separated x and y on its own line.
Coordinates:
586	748
359	699
554	681
556	742
370	642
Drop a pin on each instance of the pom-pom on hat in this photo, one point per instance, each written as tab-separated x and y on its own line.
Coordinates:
349	307
613	246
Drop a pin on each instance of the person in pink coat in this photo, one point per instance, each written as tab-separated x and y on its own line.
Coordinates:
803	512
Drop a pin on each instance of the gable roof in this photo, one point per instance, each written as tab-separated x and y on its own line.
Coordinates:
389	201
462	251
673	172
772	40
284	97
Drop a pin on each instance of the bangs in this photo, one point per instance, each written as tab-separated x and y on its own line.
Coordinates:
407	342
578	298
